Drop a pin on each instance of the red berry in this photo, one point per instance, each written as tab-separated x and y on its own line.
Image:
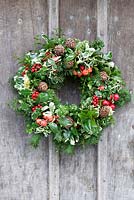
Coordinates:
35	95
112	106
116	97
95	100
105	103
49	118
82	67
23	73
85	72
33	109
75	73
111	96
38	121
79	74
101	88
90	70
48	53
43	123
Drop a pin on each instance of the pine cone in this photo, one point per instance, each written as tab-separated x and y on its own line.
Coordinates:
42	87
104	75
104	111
69	64
59	50
70	43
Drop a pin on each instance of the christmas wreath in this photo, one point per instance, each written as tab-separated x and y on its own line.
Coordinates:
42	73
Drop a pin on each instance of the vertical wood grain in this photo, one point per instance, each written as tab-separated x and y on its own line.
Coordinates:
78	173
53	155
120	151
102	26
23	170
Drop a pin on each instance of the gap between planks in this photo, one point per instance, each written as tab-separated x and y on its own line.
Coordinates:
53	23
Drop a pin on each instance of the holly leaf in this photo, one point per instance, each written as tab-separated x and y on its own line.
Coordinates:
43	97
36	114
25	92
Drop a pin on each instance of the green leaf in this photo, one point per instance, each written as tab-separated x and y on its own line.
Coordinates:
70	57
69	149
36	114
65	122
35	139
108	56
25	92
54	128
43	97
25	106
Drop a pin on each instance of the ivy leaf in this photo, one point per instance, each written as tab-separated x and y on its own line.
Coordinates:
50	62
108	56
54	128
56	131
66	135
51	107
65	122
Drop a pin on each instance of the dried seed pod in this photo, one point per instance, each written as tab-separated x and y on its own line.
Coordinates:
42	87
59	50
104	111
70	43
104	75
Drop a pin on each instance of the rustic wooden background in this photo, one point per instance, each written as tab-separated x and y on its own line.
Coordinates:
103	172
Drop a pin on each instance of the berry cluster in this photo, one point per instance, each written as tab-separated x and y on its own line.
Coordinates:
35	107
46	119
83	71
95	101
113	98
41	122
108	103
36	67
35	94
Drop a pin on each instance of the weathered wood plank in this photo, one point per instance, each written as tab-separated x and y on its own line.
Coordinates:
53	155
102	146
78	172
78	18
23	170
120	151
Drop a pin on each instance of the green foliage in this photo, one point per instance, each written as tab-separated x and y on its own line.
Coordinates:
35	139
70	125
124	97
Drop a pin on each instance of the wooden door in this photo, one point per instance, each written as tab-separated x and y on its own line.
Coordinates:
103	172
